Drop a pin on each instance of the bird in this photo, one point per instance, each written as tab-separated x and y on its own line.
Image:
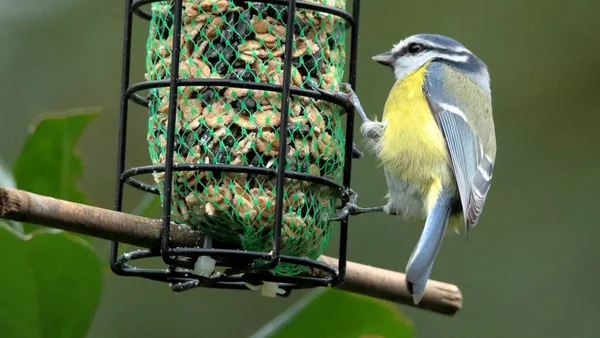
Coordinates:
436	142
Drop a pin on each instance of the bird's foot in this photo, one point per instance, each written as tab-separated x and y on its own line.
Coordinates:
352	209
346	95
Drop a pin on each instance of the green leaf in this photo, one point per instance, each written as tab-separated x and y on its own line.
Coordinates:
7	181
50	284
333	313
49	163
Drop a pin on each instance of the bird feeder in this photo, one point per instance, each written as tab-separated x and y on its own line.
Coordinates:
243	145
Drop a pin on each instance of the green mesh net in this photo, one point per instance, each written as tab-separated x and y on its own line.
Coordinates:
241	126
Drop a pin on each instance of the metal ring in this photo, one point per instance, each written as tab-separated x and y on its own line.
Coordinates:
131	91
299	4
231	168
222	280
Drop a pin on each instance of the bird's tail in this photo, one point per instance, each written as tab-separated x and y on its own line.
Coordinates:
423	256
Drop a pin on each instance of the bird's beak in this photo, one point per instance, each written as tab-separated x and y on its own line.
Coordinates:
385	59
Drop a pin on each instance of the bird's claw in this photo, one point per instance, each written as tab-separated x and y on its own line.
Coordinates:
351	97
346	94
349	208
356	153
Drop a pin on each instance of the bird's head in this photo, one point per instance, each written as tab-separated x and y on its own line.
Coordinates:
413	52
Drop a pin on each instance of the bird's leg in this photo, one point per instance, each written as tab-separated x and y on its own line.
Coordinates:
372	130
352	209
353	100
346	95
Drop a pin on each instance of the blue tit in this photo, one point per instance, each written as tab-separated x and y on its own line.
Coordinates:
436	142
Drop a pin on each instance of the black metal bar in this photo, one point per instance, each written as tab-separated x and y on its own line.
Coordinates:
142	101
172	121
349	142
228	83
282	160
122	142
142	186
299	4
143	14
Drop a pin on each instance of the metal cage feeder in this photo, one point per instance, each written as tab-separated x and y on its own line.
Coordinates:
241	266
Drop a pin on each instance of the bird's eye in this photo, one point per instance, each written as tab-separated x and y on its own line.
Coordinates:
414	48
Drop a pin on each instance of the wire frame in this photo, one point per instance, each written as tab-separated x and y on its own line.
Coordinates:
240	265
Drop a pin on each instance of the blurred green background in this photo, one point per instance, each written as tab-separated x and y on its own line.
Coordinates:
528	270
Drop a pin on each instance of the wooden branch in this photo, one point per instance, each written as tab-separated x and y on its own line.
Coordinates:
19	205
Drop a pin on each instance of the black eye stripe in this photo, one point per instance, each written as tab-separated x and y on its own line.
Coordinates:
405	50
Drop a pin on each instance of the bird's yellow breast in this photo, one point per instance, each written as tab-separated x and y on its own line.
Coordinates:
413	148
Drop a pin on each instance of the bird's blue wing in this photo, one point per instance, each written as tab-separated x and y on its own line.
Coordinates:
472	168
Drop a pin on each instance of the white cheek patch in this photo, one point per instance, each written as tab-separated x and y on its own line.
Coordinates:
409	63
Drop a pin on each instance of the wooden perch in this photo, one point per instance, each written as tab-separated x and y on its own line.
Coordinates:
19	205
